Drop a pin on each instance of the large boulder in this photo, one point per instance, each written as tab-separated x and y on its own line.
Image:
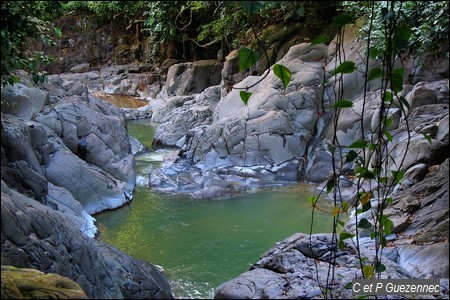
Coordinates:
192	77
196	112
95	132
23	101
50	157
298	267
276	125
258	144
38	237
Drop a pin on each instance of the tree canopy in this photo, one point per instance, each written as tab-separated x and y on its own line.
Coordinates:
205	23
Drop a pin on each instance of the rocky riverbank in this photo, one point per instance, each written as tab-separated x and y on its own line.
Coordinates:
66	155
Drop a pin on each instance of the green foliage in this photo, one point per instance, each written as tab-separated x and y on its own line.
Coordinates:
245	96
107	10
393	32
223	23
316	13
283	73
343	103
159	20
345	68
247	58
422	26
285	11
48	10
322	38
252	7
368	271
375	73
343	19
19	24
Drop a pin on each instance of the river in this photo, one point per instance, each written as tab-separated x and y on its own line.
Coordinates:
202	243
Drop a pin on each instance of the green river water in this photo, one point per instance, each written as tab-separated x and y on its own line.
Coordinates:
202	243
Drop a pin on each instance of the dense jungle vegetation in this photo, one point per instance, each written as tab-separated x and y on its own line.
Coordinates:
213	25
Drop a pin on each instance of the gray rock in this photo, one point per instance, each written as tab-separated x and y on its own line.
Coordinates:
192	77
192	113
41	238
81	68
23	101
94	188
297	267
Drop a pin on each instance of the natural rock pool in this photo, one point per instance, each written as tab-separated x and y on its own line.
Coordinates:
203	243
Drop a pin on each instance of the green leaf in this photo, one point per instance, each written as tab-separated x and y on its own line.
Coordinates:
58	31
35	78
367	206
247	58
342	104
345	235
251	7
360	170
358	144
365	198
345	68
383	180
348	286
367	271
397	80
373	53
341	245
427	137
344	206
323	38
383	241
283	73
313	199
388	97
342	20
389	121
401	37
397	175
351	156
330	185
387	224
245	96
388	135
363	223
379	267
404	102
375	73
14	78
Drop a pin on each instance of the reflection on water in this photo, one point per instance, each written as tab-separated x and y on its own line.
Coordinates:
122	100
203	243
